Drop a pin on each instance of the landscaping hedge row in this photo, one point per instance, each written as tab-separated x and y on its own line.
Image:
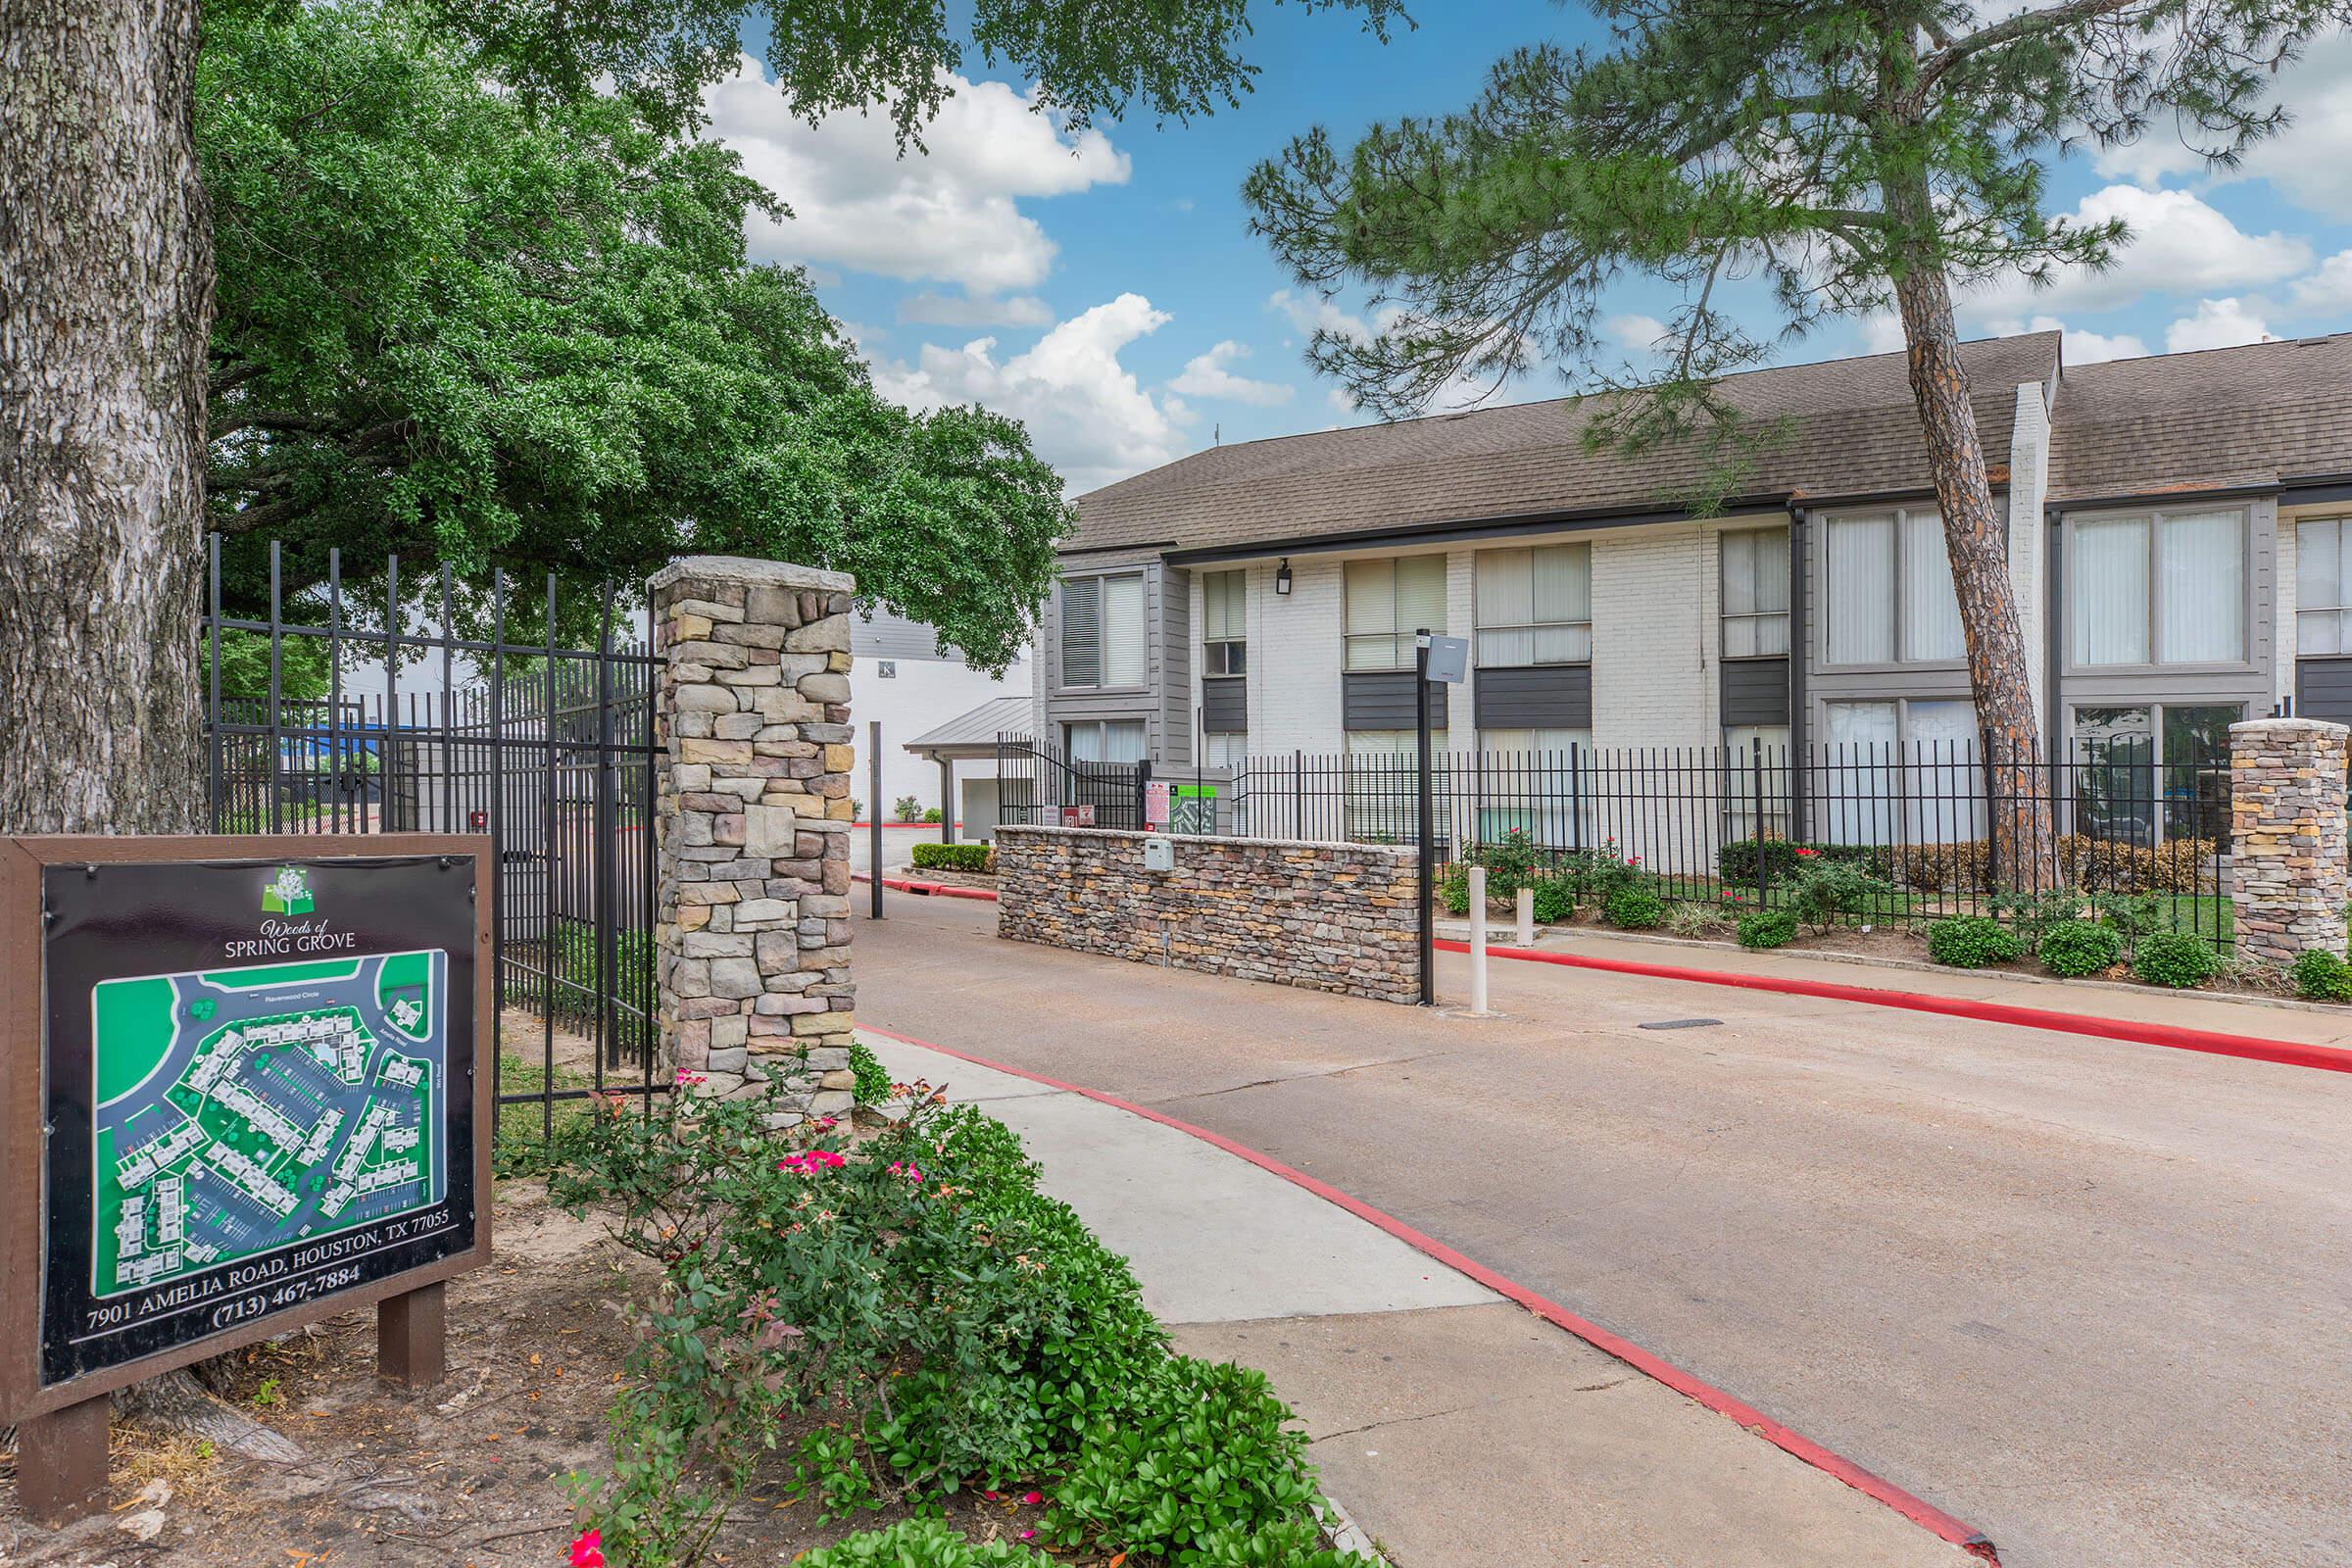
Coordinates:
900	1320
956	856
2179	865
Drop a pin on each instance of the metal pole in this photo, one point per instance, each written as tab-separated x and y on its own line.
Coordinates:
947	800
1425	827
873	809
1477	940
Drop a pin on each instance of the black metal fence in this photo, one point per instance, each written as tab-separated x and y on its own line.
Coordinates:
547	749
1038	785
1932	824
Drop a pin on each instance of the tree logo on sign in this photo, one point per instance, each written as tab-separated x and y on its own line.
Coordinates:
289	893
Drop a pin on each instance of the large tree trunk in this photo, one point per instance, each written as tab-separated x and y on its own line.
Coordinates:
105	305
1976	537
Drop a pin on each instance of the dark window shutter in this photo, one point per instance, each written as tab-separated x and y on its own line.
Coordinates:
1082	632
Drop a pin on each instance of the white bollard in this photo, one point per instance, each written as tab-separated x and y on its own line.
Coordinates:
1526	918
1478	941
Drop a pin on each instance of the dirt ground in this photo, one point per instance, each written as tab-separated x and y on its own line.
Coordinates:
469	1473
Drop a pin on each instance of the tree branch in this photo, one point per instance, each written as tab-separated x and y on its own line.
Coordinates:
2025	25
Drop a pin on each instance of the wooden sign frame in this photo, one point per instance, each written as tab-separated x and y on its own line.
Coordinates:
410	1320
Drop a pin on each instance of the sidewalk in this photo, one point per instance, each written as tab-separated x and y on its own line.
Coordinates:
2218	1012
1451	1424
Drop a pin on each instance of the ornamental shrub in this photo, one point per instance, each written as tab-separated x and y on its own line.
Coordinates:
1554	900
978	857
2322	976
1738	860
2032	914
873	1079
1767	928
1511	861
2175	958
921	1543
906	808
1201	1464
2075	948
1453	890
1971	941
1821	892
1959	867
1634	908
1597	874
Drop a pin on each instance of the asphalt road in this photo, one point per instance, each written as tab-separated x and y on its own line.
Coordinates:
2093	1298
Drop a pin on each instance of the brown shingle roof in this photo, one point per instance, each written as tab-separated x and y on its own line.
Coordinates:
1851	430
2206	420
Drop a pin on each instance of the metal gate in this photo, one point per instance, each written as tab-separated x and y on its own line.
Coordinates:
1041	787
547	749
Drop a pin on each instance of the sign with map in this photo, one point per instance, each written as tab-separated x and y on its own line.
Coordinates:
259	1091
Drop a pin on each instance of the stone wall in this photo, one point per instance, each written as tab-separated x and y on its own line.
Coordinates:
1322	916
2288	875
751	932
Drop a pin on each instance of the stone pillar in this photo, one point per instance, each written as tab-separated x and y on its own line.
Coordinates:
2287	876
752	928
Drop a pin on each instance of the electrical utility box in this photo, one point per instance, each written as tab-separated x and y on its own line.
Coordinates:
1159	855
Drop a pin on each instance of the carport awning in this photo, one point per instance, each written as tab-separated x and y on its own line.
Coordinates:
973	735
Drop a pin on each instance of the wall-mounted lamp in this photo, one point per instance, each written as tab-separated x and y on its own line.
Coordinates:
1282	579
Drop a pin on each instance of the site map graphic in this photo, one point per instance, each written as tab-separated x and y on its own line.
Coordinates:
242	1110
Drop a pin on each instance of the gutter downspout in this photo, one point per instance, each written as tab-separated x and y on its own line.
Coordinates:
1800	649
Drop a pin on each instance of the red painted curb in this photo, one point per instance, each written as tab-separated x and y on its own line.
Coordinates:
1873	1486
928	889
2212	1042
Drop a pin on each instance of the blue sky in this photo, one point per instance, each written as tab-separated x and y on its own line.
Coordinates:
1103	288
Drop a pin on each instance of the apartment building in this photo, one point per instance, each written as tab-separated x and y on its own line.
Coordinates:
2180	536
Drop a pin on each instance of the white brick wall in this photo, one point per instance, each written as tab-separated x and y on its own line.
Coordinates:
2029	552
1653	668
1295	659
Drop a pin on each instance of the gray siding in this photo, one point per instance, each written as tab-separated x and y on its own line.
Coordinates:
1225	704
1383	700
1161	700
1536	697
2324	689
1756	691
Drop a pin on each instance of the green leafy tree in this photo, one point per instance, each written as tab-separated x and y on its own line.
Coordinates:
105	429
470	332
1854	156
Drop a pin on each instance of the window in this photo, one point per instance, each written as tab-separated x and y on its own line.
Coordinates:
1105	740
1753	755
1755	593
1102	631
1224	645
1899	771
2169	588
1888	591
2140	767
1535	607
1388	601
1230	749
1534	780
2322	588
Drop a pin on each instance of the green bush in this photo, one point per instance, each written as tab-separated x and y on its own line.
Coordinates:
921	1543
2322	976
1597	874
1634	908
906	808
953	857
1555	900
2132	915
2079	947
1453	890
2032	914
1767	928
1199	1470
931	813
1971	941
1511	861
873	1079
1737	860
1822	891
2175	958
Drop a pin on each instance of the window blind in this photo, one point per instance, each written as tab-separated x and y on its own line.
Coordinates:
2109	599
1931	603
2201	584
1082	632
1861	598
1123	639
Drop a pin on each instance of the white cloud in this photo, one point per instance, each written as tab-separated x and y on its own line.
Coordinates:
1342	402
949	213
2217	324
1209	375
1636	336
2079	347
2327	292
976	310
1086	412
2178	245
1883	334
1311	313
2305	162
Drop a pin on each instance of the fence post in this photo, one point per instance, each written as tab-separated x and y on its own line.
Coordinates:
1755	807
873	813
2287	877
753	762
1143	782
1299	796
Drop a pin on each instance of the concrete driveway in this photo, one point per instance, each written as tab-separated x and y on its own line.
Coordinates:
2094	1299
